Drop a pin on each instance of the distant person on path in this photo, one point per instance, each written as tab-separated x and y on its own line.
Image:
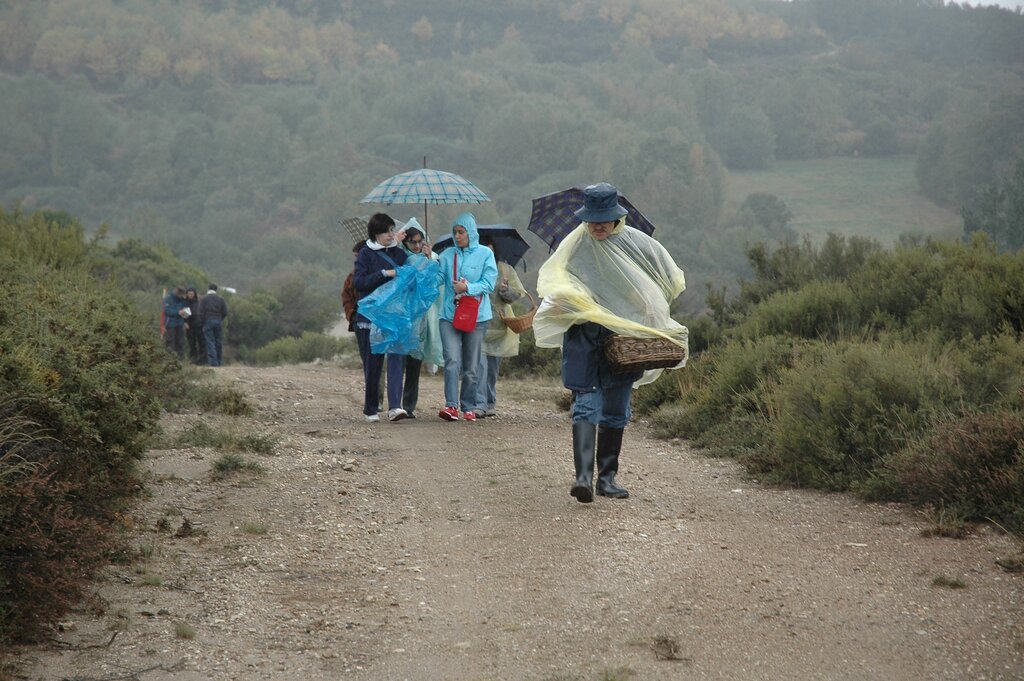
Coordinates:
467	269
499	340
193	331
212	312
376	264
176	310
605	277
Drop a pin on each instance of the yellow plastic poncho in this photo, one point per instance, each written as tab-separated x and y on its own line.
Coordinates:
625	283
501	341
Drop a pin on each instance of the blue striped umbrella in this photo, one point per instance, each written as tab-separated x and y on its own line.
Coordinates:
425	186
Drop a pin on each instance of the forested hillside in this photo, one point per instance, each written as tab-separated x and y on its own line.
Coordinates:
238	132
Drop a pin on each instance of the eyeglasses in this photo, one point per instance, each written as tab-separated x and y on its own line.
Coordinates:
415	241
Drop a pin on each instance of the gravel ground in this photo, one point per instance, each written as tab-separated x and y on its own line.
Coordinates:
428	550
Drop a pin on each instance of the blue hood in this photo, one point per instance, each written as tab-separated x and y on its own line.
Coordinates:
469	222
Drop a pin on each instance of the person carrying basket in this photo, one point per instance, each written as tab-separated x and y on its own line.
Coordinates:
607	283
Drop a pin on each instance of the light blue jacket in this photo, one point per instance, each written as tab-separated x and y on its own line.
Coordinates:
475	264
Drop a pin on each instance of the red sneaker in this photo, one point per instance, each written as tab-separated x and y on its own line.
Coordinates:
449	414
469	416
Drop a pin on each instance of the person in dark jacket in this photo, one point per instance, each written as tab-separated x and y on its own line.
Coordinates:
193	329
213	310
176	310
376	264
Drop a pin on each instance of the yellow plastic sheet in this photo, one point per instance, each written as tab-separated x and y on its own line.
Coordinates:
625	283
501	341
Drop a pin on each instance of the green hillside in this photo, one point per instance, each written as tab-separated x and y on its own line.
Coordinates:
873	197
239	132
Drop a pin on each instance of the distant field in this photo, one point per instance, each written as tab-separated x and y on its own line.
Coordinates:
870	197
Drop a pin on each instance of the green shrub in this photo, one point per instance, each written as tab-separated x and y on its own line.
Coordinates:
730	381
201	434
820	309
972	463
991	371
78	360
295	350
792	266
191	389
952	291
835	420
531	360
704	333
234	463
668	388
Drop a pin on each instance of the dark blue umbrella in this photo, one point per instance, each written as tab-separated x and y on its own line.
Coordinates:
508	243
554	216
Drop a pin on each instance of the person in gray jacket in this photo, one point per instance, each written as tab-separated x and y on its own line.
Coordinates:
212	312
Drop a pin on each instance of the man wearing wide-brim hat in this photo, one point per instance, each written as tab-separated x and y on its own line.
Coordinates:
605	278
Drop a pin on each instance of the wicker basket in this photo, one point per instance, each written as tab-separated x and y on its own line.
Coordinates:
627	354
523	321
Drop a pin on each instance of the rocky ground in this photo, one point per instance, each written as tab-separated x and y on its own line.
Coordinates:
431	550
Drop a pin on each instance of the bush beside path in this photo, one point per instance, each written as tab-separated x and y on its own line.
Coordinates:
431	550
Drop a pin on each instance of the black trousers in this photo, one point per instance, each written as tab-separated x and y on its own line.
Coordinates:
411	391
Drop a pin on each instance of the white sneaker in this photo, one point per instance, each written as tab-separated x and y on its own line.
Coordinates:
372	418
397	414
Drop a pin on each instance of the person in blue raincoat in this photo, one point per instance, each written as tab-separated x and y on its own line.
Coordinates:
467	269
416	245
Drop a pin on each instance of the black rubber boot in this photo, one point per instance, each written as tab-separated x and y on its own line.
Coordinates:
583	434
609	442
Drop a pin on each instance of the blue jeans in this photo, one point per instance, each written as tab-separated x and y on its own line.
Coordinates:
213	332
461	359
487	390
373	366
604	406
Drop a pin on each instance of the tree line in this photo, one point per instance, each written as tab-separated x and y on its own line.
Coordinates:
238	132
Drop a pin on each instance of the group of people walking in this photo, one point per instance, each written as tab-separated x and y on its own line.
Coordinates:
469	353
606	278
195	321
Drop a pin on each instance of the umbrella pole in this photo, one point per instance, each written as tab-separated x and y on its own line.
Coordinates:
426	223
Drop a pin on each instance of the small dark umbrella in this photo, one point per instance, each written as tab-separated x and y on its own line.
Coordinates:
554	216
509	244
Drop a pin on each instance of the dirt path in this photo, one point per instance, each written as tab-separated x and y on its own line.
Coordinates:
427	550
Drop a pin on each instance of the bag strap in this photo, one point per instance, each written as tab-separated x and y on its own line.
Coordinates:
455	274
387	257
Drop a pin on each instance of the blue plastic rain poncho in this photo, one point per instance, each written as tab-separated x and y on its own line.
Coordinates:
624	283
430	332
397	308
